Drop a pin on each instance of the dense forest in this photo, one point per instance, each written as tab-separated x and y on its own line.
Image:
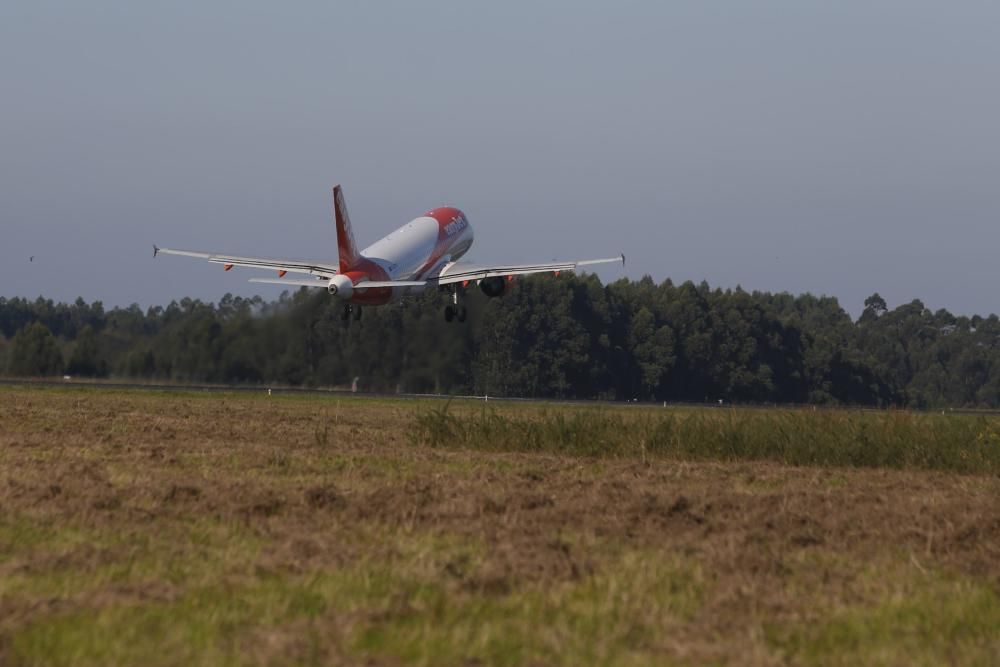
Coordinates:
549	336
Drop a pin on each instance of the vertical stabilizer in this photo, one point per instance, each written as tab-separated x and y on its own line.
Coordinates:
346	247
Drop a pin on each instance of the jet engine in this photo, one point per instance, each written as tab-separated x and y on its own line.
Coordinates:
493	287
340	285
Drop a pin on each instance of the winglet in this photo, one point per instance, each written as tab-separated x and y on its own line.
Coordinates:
623	259
156	251
347	250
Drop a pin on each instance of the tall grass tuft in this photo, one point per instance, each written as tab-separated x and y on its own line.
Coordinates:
965	444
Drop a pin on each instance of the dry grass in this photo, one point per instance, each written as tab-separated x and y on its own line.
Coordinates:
162	529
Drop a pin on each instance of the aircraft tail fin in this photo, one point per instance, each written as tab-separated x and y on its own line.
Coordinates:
347	249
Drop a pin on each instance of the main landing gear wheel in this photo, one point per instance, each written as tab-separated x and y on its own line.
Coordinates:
452	313
349	310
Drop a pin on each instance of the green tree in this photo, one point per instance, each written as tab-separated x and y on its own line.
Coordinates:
86	357
652	348
34	352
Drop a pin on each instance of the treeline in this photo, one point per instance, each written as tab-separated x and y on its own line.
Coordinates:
566	337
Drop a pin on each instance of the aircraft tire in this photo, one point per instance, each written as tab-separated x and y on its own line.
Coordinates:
356	311
449	313
462	313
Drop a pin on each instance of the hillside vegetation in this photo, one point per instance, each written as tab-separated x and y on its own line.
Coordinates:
565	337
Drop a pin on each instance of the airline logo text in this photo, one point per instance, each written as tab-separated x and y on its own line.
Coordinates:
455	226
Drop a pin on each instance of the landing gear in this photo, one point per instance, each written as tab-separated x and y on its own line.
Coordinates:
455	310
349	310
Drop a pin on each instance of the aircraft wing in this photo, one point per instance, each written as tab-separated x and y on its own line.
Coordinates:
459	272
319	269
462	271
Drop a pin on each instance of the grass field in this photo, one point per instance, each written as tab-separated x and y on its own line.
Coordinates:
140	528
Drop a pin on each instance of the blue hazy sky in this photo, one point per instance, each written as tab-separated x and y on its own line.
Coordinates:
838	148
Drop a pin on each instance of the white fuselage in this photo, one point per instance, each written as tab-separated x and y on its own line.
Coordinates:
418	250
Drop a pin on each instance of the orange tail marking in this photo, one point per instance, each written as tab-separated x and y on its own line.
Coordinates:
281	274
227	266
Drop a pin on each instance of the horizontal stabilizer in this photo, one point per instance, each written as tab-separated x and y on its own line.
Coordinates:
365	284
390	283
290	283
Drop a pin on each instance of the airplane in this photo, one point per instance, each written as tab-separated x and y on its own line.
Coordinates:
423	253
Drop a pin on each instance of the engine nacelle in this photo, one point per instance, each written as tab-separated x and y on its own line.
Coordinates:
341	286
493	287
